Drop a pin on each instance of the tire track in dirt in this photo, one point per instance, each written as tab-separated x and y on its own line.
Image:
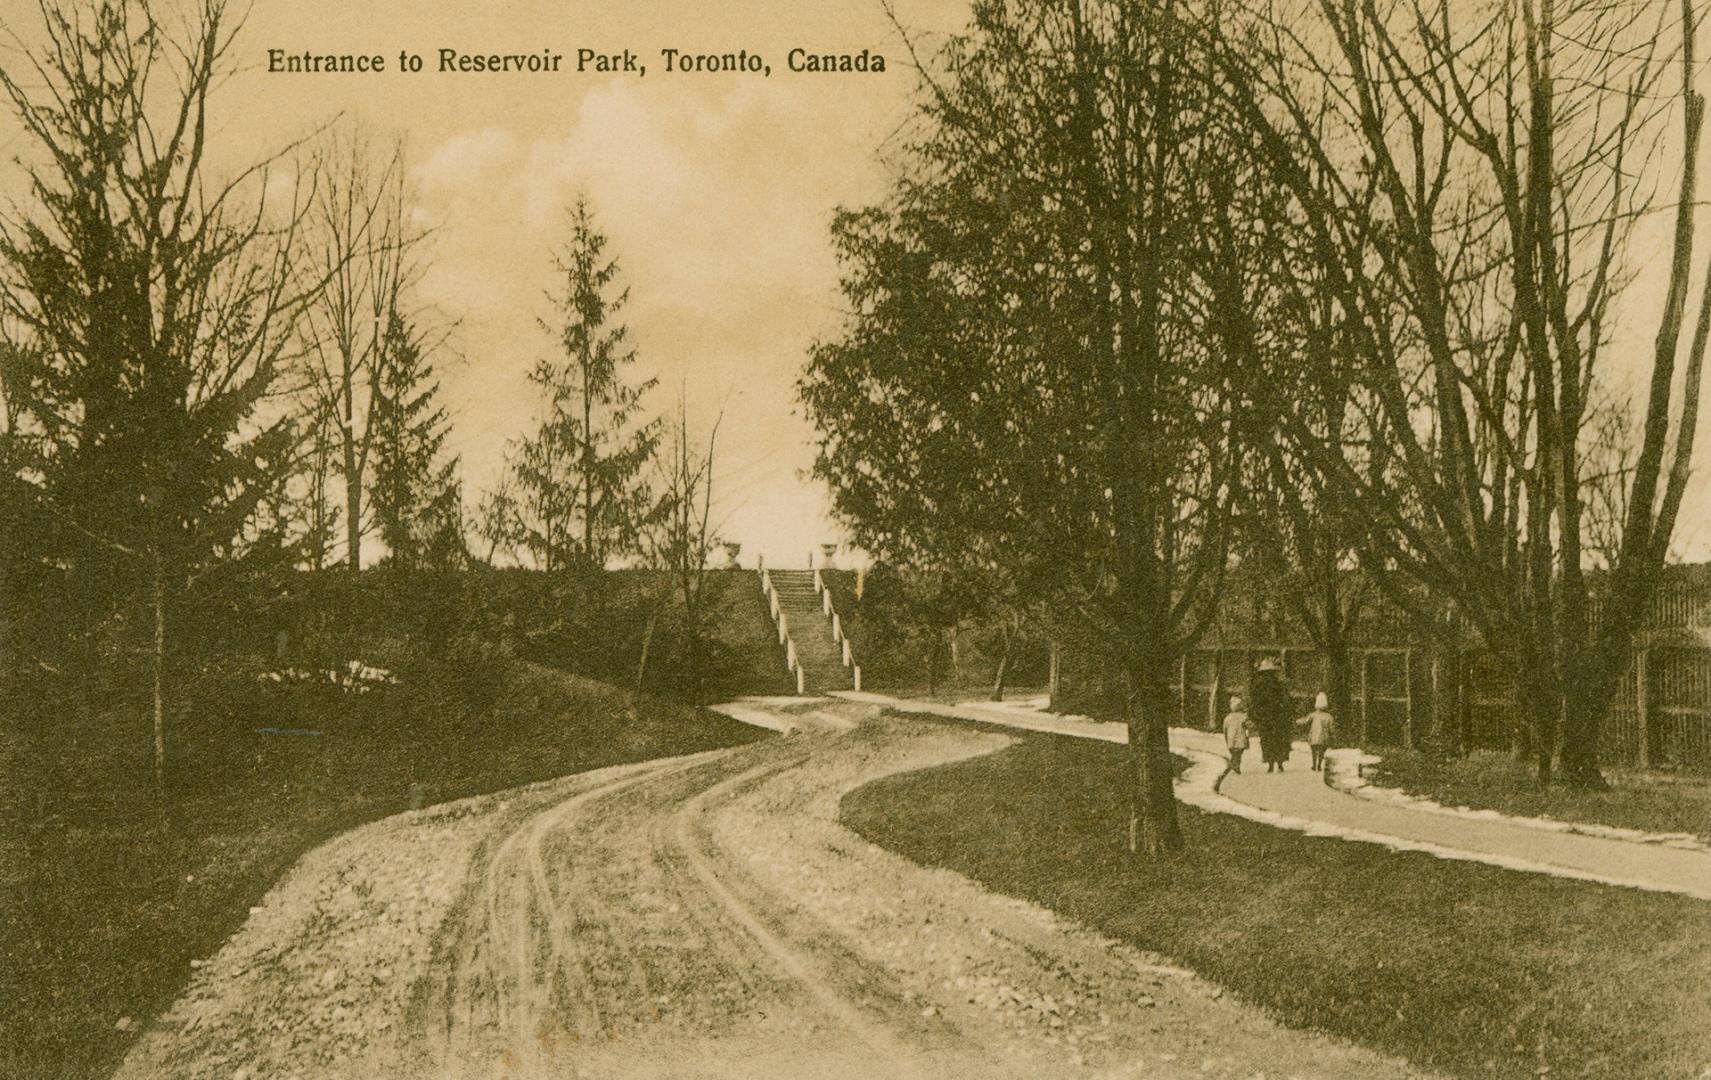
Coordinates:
708	918
899	1059
518	962
552	972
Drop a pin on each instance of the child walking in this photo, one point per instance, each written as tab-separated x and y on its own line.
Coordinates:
1236	733
1320	724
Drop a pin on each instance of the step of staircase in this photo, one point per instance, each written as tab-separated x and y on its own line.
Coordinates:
821	658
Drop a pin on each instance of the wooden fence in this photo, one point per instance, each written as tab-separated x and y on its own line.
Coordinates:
1667	726
1395	693
1385	691
1402	693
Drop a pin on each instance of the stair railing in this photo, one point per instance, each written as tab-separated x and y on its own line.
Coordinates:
831	614
791	663
838	637
825	597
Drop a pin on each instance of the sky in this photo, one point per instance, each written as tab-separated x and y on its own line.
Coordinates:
716	191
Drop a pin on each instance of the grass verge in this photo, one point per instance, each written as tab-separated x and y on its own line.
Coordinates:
1487	780
102	910
1460	968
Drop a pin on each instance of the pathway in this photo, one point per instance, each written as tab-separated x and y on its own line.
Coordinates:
1302	800
697	918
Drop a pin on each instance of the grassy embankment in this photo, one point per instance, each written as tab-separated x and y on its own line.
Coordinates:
903	650
1462	968
1487	780
101	910
594	624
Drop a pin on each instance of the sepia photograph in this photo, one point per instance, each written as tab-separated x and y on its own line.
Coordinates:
895	539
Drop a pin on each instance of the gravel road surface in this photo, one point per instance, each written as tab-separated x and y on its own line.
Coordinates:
697	917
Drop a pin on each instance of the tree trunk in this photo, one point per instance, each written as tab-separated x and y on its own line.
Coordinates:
8	659
1590	689
1154	830
1003	664
588	468
1052	676
691	591
1459	698
933	666
1215	696
158	694
320	526
353	505
1443	696
1580	733
1338	677
1541	712
647	644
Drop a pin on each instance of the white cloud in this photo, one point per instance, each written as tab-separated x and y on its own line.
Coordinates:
467	160
717	206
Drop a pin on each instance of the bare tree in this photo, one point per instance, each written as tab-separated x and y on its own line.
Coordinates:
496	520
364	251
680	536
1607	478
1477	291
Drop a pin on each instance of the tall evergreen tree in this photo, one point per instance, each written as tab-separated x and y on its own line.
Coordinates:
150	304
582	493
415	493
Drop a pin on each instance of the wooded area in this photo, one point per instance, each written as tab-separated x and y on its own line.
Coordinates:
219	383
1163	289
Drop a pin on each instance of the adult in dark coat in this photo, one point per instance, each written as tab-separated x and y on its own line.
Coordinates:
1269	714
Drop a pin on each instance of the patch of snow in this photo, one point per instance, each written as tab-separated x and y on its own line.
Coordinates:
354	676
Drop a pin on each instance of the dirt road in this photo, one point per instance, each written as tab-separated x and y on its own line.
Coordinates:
700	917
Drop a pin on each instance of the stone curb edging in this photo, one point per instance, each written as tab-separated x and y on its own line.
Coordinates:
1199	788
1343	772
